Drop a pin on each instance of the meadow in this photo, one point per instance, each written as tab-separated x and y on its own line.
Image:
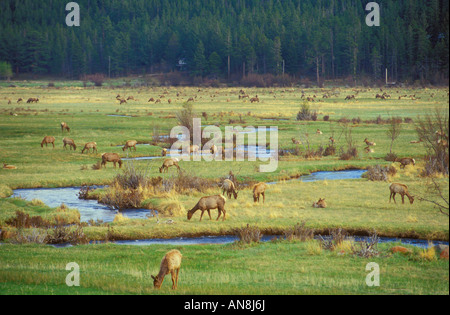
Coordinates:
359	206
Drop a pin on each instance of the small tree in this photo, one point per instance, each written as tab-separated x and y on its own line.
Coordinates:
394	130
5	70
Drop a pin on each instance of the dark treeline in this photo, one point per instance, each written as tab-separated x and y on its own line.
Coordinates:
221	38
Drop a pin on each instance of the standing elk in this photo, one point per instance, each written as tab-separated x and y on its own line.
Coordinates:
171	263
207	204
229	188
405	161
64	126
401	189
130	144
258	190
47	140
169	163
69	142
88	146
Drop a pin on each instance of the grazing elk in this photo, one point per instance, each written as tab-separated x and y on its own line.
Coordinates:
9	167
130	144
254	100
69	142
229	188
88	146
207	204
171	263
64	126
258	190
47	140
369	143
401	189
111	157
169	163
320	204
405	161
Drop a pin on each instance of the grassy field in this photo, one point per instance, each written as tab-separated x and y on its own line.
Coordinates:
356	205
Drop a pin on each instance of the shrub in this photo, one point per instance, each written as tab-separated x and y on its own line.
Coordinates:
367	248
391	157
23	220
299	233
63	235
305	113
380	173
330	150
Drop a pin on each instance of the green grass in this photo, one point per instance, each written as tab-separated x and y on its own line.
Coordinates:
286	269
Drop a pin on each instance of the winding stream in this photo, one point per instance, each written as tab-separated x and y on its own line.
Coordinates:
91	209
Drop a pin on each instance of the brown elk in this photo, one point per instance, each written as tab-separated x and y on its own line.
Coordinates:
295	141
164	152
64	126
319	132
70	143
47	140
130	144
169	163
320	204
405	161
350	97
88	146
171	263
9	167
151	100
254	100
369	143
111	157
229	188
207	204
401	189
19	100
32	100
122	100
258	190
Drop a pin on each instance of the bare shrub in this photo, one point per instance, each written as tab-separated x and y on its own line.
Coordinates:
380	173
367	248
23	220
63	235
432	129
299	233
35	236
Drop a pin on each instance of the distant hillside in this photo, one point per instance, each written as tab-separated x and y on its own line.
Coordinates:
219	38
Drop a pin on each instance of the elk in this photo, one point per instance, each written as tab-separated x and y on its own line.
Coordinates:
369	150
350	97
258	190
229	188
369	143
332	141
319	132
151	100
207	204
70	143
164	152
171	263
214	149
88	146
401	189
406	161
130	144
64	126
111	157
47	140
19	100
320	204
254	100
169	163
9	167
32	100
